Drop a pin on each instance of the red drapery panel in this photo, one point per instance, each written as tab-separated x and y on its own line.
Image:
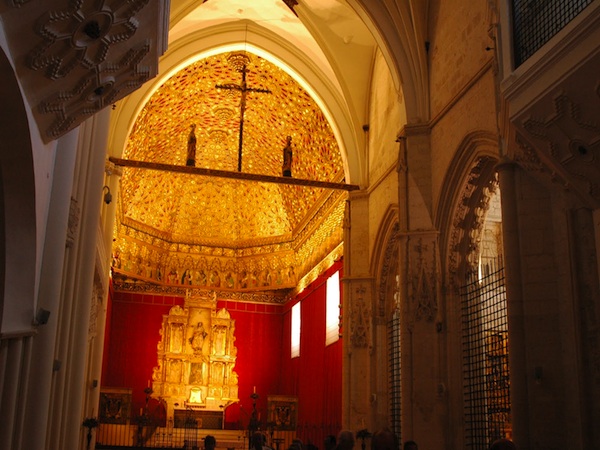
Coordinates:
263	357
315	377
258	331
133	325
135	321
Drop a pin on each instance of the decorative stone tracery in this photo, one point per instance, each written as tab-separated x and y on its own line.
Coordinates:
389	275
73	224
468	219
424	277
360	318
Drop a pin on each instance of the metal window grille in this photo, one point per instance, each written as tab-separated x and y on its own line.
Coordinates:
394	374
485	356
535	22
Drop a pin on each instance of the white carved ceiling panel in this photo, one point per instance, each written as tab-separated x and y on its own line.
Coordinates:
563	127
76	57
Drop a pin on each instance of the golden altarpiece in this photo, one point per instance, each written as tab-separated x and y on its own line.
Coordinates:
196	359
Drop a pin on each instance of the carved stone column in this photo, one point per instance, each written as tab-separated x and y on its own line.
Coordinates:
97	327
515	307
61	225
357	317
587	320
72	345
423	375
422	348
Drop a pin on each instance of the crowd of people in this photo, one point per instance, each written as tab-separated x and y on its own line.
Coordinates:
381	440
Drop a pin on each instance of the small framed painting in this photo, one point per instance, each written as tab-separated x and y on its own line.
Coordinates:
282	412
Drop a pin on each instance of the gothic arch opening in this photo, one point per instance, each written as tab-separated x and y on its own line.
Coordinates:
387	324
485	337
479	276
476	299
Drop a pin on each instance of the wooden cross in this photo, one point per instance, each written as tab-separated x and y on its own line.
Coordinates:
243	88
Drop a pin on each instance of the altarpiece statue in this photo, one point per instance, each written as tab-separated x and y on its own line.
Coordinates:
196	358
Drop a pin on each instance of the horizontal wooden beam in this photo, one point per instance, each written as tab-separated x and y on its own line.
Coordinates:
232	175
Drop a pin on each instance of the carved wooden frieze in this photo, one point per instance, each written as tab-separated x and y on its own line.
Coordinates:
124	283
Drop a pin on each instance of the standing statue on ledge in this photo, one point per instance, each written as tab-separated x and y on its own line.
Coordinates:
191	149
287	158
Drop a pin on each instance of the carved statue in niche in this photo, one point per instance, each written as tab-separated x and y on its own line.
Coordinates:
216	373
230	280
197	339
220	339
174	372
196	357
177	338
215	279
243	279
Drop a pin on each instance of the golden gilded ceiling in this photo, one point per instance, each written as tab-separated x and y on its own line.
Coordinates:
220	233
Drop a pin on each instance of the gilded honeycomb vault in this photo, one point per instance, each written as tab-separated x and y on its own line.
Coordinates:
228	234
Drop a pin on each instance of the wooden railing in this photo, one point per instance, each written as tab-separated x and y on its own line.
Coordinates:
109	436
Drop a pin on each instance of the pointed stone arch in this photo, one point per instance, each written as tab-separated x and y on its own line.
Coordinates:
400	30
385	261
386	321
470	180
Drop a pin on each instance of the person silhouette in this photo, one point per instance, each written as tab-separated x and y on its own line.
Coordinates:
384	439
345	440
503	444
210	442
411	445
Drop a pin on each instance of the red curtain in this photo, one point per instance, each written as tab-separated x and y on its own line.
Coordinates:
263	356
258	330
315	377
135	321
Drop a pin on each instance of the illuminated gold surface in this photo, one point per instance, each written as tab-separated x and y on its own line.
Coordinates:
228	234
196	357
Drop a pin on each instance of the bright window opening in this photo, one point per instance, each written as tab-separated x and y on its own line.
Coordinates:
332	315
296	330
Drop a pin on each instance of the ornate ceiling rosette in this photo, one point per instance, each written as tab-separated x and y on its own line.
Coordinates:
81	56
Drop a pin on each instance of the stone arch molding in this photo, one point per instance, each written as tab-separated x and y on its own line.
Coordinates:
399	28
18	260
462	210
385	264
